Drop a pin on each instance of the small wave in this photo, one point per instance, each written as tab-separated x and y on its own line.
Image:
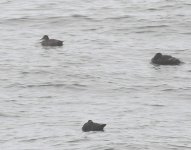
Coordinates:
119	17
155	105
168	89
8	115
78	16
57	85
46	97
5	2
35	72
152	9
147	31
186	33
14	85
34	85
152	26
91	29
47	85
17	19
167	6
187	4
180	146
79	85
78	140
3	115
40	138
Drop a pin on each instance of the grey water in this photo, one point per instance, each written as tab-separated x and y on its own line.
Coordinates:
103	73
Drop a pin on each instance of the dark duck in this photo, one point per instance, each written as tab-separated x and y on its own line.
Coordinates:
160	59
50	42
92	126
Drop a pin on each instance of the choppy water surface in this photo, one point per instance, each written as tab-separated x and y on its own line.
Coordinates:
102	72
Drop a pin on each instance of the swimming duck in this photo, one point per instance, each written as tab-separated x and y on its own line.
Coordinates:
92	126
165	60
50	42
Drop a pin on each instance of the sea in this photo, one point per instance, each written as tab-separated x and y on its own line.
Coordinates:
103	73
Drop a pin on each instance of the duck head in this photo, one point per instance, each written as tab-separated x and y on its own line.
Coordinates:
45	37
157	56
90	121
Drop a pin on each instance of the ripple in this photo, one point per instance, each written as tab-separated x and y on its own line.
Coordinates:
155	105
8	115
180	146
152	26
46	85
78	140
119	17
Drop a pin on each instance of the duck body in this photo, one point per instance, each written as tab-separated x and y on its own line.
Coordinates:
50	42
92	126
160	59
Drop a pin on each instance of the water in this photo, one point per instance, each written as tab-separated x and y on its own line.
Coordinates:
102	73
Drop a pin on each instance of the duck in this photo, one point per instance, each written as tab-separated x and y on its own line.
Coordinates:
161	59
50	42
92	126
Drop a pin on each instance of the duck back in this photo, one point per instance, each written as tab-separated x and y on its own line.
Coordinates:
91	126
52	42
166	60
